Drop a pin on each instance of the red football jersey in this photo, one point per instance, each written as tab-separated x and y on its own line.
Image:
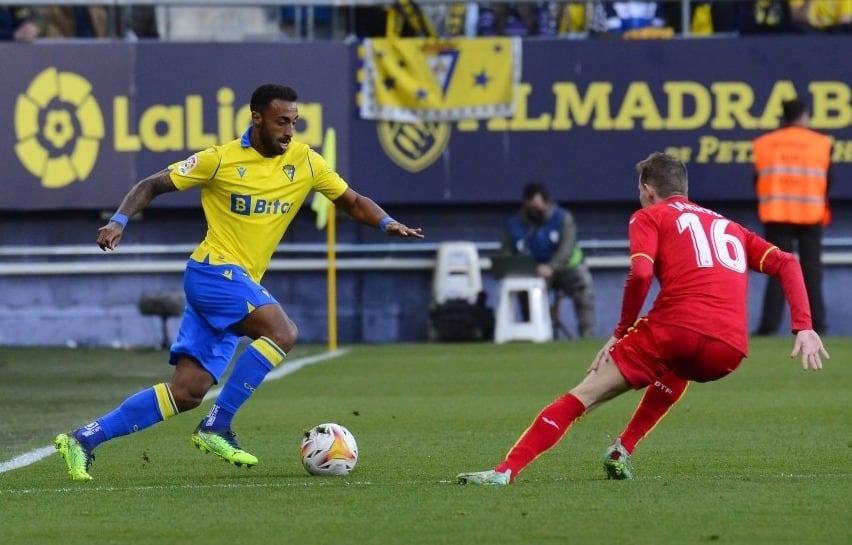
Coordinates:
701	260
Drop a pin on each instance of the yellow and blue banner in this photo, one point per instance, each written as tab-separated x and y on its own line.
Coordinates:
426	79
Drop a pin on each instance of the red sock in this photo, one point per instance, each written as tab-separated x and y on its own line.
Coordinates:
658	399
544	432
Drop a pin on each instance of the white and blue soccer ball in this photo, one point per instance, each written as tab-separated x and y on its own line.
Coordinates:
329	449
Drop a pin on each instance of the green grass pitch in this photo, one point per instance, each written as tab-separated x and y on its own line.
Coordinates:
757	458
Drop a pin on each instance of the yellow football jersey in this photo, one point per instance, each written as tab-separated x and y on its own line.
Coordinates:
250	200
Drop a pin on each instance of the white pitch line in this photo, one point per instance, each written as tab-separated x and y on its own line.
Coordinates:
36	455
318	482
311	482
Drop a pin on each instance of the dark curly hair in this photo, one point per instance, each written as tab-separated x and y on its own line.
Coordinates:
263	96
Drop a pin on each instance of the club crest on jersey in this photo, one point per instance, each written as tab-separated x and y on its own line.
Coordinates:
241	171
290	171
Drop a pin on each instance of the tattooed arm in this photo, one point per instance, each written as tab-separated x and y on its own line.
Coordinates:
139	196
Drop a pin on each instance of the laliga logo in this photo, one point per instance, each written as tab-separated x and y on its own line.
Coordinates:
59	126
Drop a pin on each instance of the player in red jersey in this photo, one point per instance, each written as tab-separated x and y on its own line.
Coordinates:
696	329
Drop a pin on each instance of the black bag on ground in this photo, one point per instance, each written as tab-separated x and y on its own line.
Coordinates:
461	320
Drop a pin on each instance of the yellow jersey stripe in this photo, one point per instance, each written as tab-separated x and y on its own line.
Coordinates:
765	255
640	254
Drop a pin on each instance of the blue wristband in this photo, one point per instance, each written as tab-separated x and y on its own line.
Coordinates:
121	219
385	221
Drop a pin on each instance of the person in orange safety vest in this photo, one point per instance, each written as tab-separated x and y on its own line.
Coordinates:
792	179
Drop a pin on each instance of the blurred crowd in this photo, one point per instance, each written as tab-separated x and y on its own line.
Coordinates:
29	23
642	18
639	19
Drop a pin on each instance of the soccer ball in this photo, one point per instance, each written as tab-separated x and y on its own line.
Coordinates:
329	449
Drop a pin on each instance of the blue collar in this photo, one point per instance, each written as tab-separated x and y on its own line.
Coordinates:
245	139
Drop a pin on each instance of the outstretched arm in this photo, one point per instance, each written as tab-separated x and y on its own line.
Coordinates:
808	343
139	196
365	211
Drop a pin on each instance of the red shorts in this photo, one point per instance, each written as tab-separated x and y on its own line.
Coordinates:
648	352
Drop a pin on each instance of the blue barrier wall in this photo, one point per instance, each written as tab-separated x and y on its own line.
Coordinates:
374	306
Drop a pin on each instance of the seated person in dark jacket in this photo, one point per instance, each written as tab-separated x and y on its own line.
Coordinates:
547	233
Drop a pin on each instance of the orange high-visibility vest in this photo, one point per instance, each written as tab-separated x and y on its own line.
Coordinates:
792	175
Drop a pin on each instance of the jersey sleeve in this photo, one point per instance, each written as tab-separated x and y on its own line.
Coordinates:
197	169
758	250
326	180
643	250
765	257
643	233
784	266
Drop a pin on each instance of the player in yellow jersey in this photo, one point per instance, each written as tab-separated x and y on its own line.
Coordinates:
251	188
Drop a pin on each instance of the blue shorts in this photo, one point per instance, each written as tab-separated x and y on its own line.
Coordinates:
217	298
